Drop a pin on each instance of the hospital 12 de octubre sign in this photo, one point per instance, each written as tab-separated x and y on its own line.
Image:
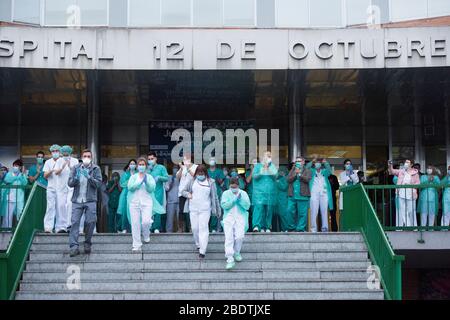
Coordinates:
210	49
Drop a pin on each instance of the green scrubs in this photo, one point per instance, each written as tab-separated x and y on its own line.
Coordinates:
264	197
113	204
298	206
159	172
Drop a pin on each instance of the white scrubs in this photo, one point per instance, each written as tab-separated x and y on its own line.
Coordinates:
52	218
406	205
319	201
234	230
141	206
200	212
64	192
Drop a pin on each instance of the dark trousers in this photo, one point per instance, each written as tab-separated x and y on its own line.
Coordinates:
187	221
89	209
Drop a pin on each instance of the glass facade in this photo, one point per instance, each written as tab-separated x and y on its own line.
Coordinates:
366	115
220	13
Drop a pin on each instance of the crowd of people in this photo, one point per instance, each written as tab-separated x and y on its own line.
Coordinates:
202	198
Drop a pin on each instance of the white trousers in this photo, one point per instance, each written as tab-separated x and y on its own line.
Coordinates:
64	202
319	201
8	217
406	213
52	219
200	229
141	222
234	230
445	221
423	219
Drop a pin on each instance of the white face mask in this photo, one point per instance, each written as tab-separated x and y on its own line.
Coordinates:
86	161
212	163
406	166
429	171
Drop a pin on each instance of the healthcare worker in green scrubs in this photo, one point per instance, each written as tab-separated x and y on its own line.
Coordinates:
264	193
299	196
36	171
123	208
445	222
13	199
114	189
159	173
281	212
428	198
215	173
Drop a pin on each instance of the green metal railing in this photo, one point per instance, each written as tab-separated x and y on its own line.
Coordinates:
12	261
359	215
386	202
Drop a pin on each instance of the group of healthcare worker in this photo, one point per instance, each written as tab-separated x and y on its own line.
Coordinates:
424	201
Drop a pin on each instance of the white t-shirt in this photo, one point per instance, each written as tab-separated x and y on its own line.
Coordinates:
186	178
200	196
52	179
63	177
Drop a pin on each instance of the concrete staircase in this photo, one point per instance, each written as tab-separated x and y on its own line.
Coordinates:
275	266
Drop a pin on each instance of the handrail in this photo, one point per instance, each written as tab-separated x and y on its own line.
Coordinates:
359	215
12	262
385	199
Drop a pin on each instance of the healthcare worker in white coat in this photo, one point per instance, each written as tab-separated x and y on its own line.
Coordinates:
203	202
143	204
52	219
235	204
63	192
348	177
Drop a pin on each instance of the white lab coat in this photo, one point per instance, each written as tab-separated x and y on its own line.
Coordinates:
64	192
52	218
343	179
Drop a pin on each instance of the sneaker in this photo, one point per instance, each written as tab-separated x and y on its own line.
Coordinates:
268	230
156	231
61	231
124	231
230	265
147	240
87	250
136	250
201	256
48	231
255	229
74	252
238	257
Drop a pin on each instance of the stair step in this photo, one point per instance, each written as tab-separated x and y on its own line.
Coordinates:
193	265
216	274
127	255
209	295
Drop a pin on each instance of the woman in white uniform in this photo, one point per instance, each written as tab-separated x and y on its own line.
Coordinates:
143	205
203	201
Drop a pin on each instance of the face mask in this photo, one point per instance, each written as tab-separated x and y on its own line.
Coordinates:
66	158
201	177
116	178
212	163
406	166
298	165
132	167
141	168
187	162
16	169
348	167
86	161
151	162
40	160
268	160
317	165
429	171
234	190
55	155
234	174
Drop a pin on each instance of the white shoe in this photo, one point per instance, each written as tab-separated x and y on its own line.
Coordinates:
124	231
156	231
136	250
268	231
147	240
255	229
214	231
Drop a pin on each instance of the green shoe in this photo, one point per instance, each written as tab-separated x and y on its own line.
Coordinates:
238	257
230	265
